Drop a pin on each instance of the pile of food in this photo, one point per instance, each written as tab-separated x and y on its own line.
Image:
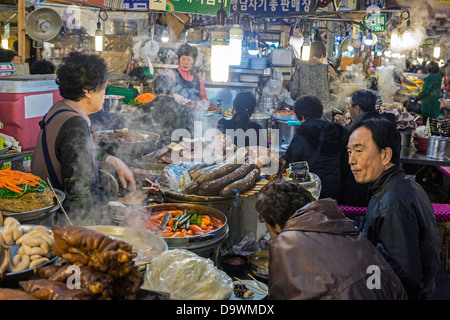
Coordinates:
20	192
403	119
142	98
191	150
178	223
187	276
122	135
104	266
241	291
34	247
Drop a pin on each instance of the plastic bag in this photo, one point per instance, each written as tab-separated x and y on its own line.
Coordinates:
175	177
187	276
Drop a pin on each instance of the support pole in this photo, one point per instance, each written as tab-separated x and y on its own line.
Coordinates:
21	30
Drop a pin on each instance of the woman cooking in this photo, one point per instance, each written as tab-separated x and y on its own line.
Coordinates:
188	83
65	152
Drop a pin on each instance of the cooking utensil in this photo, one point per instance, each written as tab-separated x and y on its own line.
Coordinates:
259	263
154	186
260	284
59	202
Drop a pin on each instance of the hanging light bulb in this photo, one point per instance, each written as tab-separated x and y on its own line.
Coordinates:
99	37
407	37
4	42
306	49
165	34
98	42
437	51
236	37
220	49
370	39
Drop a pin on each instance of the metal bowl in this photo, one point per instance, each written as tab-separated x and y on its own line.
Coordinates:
128	150
146	244
38	216
27	273
259	263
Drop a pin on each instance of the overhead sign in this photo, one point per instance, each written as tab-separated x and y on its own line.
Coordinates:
376	23
427	43
270	6
379	3
208	7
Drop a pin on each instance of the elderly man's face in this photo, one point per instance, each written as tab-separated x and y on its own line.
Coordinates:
366	161
354	111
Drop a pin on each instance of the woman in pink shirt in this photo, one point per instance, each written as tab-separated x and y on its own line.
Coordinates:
188	83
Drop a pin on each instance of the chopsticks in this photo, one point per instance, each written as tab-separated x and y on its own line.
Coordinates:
257	282
57	199
250	285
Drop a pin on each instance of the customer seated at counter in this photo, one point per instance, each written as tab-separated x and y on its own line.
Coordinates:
188	82
362	106
244	106
317	253
163	115
319	142
400	219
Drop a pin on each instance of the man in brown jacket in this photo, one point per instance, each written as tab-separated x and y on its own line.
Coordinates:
318	253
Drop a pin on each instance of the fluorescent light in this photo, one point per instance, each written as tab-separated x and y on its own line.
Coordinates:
306	49
99	38
165	35
220	52
4	43
437	52
236	37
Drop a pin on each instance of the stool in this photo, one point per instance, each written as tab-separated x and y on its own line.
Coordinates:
444	232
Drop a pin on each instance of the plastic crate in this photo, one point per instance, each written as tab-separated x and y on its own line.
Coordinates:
128	93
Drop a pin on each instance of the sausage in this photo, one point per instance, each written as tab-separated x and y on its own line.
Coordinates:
241	185
213	187
223	169
12	231
192	188
38	262
195	175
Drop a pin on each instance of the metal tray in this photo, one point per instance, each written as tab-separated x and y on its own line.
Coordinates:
27	273
193	197
33	214
4	150
284	117
142	241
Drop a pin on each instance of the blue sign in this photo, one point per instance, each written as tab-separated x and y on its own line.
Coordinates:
379	3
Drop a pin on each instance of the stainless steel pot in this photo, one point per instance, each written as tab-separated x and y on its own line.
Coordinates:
112	103
206	245
286	132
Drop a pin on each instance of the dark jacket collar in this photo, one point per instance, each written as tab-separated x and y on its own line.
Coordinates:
392	173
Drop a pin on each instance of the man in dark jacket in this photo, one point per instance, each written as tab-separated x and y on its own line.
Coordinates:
317	253
400	219
362	106
319	142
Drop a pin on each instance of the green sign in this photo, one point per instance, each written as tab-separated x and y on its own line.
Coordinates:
428	43
376	23
208	7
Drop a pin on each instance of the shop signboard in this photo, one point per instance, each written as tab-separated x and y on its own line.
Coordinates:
376	23
208	7
427	43
276	7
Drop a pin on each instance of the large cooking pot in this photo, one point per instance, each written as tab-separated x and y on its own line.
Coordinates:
206	245
128	151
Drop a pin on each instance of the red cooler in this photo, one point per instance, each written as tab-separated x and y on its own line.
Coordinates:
24	100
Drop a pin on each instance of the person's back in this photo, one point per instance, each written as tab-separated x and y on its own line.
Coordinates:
319	142
320	254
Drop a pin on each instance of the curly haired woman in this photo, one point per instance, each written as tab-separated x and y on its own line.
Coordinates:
318	253
65	152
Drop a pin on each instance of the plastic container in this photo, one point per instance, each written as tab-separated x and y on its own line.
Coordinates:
128	93
258	63
23	102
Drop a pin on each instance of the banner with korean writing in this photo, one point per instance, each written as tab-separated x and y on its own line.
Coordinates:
271	6
208	7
